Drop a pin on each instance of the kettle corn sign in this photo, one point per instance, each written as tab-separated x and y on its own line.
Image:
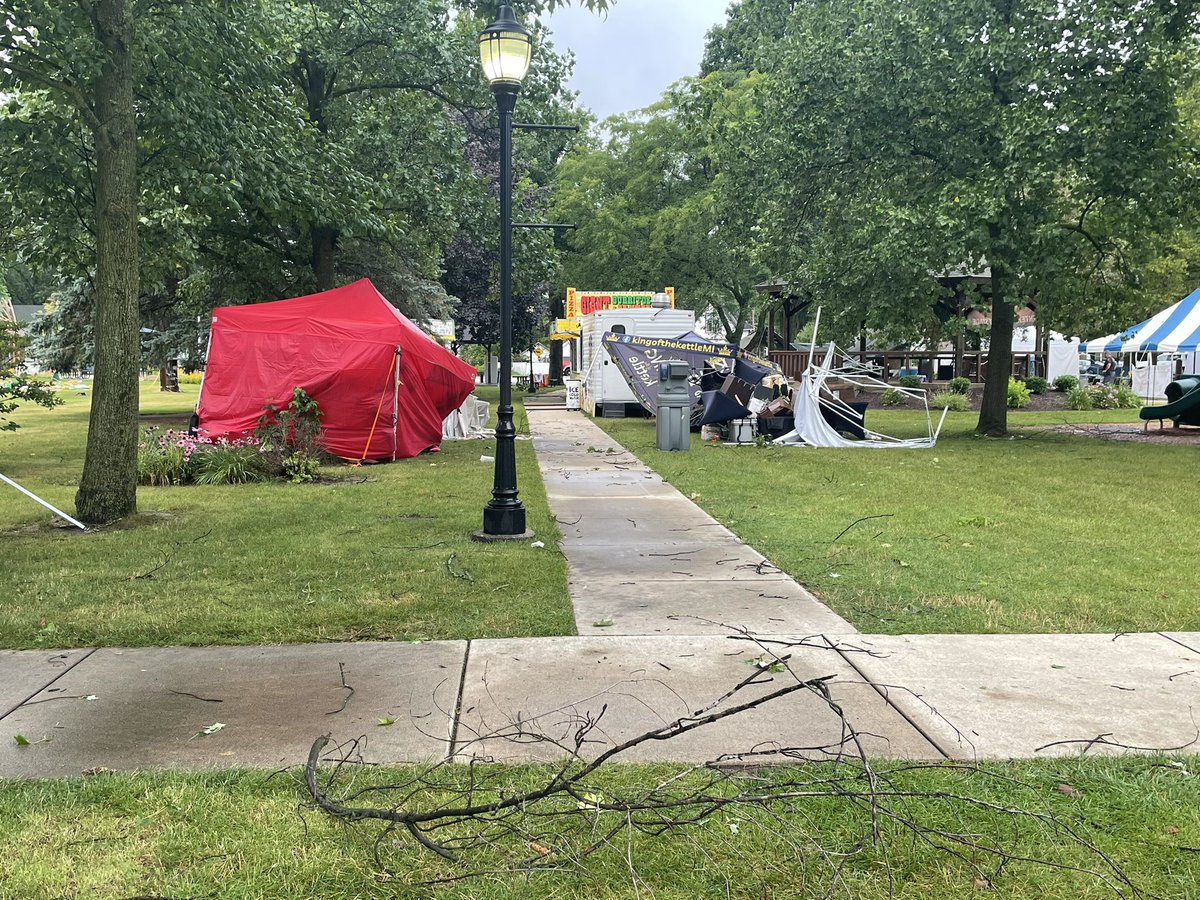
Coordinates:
581	303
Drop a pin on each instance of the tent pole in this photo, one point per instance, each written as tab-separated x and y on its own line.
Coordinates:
204	374
58	512
812	344
396	404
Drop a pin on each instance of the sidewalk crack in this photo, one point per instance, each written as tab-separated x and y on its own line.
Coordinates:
11	710
888	700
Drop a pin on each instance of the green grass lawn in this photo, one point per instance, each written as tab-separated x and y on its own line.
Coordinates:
380	552
247	834
1043	532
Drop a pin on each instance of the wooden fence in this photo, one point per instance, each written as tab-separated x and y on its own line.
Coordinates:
934	366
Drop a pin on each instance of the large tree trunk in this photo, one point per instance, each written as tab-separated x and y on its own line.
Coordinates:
734	334
324	243
315	81
108	487
993	412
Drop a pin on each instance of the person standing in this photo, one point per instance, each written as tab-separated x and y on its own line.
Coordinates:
1108	370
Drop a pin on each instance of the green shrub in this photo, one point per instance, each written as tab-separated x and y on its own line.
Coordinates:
1037	384
1127	398
951	400
294	430
300	467
909	381
960	385
892	397
229	463
1018	394
1078	397
1066	383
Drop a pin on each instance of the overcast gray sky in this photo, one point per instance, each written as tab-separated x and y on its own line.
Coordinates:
625	60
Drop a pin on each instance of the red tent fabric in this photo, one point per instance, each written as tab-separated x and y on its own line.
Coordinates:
342	347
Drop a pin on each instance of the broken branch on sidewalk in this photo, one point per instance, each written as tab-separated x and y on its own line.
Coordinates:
479	817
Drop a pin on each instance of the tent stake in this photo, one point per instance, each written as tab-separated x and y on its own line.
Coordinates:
55	510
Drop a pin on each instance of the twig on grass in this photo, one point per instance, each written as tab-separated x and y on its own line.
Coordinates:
418	547
150	574
858	521
167	557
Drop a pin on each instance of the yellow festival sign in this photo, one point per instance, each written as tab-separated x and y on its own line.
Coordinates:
581	303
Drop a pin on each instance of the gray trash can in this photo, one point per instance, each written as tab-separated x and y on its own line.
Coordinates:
674	409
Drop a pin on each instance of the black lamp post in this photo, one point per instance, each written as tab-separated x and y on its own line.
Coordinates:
504	50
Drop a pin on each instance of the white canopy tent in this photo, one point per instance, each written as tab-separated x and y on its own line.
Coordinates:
1175	329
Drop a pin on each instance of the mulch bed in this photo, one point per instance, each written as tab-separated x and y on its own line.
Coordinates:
1127	431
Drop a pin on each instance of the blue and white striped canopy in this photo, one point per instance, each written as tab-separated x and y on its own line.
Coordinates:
1174	330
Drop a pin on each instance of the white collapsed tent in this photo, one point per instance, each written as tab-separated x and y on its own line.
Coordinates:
468	421
812	399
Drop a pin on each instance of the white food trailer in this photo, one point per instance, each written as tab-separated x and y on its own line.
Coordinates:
605	392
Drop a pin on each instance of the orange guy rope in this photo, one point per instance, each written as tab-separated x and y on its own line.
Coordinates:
378	409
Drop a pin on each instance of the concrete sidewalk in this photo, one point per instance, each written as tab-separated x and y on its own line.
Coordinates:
644	559
921	696
682	595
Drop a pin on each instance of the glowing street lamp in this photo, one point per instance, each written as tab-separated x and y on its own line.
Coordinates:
504	52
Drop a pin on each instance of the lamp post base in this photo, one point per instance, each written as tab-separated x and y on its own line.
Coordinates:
484	538
503	524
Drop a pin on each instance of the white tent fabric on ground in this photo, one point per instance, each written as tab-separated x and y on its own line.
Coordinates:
468	421
1175	329
810	395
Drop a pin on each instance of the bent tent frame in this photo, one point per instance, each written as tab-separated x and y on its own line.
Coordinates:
812	430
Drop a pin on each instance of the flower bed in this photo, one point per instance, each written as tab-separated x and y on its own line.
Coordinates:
176	457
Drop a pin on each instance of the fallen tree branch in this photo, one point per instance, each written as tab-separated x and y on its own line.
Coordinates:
462	574
477	820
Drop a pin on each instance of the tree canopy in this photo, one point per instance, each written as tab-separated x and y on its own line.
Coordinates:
661	202
171	156
860	152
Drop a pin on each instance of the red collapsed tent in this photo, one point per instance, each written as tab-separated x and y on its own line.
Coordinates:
383	384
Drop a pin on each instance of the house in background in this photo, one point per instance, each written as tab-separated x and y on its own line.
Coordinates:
24	316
